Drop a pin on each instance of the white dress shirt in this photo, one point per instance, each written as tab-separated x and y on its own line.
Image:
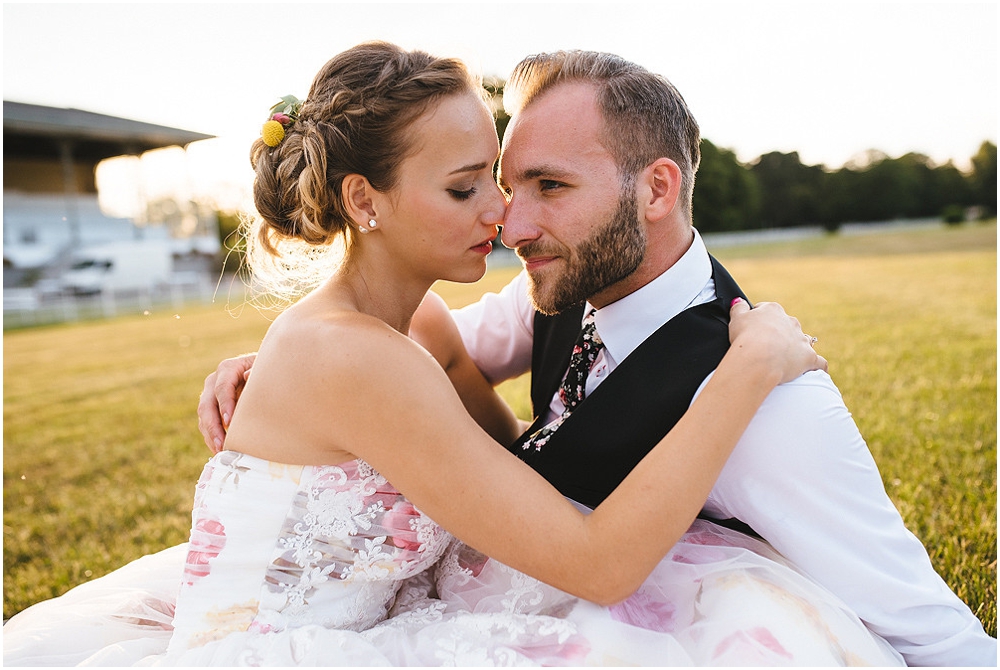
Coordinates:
801	476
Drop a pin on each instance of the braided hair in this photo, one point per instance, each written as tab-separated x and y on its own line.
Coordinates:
354	121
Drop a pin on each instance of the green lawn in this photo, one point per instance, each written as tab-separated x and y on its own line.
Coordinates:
101	447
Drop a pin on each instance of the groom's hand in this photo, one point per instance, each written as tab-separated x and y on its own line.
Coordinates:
218	399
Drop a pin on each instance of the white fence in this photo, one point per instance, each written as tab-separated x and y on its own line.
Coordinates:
28	307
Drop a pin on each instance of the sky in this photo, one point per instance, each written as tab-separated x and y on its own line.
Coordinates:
827	79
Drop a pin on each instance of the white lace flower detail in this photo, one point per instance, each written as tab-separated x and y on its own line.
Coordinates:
339	514
371	563
525	593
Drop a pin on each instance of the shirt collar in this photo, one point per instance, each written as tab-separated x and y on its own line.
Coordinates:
626	323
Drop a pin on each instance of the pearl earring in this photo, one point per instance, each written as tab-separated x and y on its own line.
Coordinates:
372	223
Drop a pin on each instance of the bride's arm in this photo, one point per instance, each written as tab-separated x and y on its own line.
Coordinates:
411	426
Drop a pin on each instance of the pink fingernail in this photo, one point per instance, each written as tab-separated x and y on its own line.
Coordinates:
735	300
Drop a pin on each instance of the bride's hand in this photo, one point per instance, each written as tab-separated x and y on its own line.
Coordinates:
767	331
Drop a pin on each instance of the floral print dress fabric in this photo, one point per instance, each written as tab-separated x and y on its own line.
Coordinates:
339	546
330	565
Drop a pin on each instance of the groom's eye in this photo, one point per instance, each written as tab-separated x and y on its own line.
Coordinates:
549	185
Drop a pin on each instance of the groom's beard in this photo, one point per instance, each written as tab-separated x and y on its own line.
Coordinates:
611	253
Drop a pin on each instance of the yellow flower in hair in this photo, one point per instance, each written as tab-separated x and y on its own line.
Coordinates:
272	133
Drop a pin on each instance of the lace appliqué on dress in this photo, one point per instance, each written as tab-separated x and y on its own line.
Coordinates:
464	571
349	525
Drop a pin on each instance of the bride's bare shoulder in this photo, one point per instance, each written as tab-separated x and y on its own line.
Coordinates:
339	342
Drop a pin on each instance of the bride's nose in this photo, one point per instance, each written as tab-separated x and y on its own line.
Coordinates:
495	209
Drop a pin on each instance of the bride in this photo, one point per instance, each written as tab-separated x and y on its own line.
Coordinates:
338	525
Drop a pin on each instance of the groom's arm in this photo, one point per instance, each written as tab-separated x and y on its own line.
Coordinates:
433	328
218	399
804	479
497	331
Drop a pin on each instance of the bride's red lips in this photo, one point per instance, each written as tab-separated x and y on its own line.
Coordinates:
484	247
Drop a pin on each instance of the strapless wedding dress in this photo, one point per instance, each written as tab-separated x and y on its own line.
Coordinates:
330	565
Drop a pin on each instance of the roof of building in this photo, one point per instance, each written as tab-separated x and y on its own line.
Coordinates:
36	131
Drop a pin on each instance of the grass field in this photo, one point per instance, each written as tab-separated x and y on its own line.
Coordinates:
101	447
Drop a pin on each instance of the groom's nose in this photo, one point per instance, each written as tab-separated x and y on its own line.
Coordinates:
518	228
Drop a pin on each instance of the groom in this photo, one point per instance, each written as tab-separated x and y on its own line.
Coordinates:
598	163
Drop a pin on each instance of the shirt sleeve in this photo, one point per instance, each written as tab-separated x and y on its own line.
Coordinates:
803	477
497	331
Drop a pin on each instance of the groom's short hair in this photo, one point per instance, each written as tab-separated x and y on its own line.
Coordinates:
645	116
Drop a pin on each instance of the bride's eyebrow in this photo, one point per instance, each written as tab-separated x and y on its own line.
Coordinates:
470	168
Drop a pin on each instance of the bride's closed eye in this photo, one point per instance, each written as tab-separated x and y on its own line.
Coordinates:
462	195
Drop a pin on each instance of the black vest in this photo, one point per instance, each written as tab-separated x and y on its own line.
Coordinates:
631	410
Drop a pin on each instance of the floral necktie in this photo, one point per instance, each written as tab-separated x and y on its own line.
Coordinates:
573	389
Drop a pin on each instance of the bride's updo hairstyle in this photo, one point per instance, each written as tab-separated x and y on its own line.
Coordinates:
355	120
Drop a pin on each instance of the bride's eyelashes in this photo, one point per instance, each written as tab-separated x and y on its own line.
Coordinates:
458	194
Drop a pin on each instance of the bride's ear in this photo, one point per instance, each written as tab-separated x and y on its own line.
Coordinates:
359	199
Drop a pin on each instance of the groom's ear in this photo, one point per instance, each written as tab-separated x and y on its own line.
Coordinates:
659	189
359	197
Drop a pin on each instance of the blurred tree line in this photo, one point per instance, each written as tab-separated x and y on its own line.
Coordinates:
778	191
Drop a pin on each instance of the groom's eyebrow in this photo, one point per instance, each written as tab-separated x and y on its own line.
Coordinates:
547	171
539	172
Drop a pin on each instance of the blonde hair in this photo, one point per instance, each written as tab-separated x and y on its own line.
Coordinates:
645	117
354	121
